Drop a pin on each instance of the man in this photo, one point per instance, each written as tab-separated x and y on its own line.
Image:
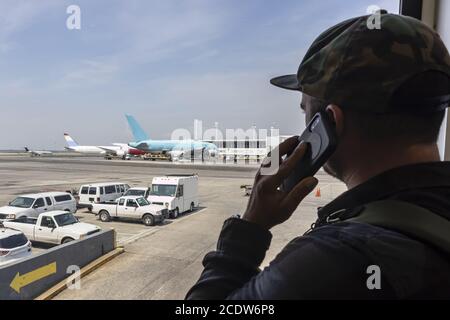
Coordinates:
386	91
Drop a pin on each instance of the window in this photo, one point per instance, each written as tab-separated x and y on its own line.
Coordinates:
63	198
65	219
13	241
163	190
102	190
93	190
131	203
142	202
49	201
132	192
22	202
47	222
110	189
180	191
122	188
39	203
84	190
121	202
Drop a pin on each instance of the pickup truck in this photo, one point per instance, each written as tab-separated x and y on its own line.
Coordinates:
55	227
131	207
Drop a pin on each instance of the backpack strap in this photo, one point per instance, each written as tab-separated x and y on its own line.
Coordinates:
408	219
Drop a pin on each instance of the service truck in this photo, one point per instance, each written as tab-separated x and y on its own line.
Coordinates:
178	193
52	227
131	207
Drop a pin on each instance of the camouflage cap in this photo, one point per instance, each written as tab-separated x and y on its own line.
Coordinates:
357	67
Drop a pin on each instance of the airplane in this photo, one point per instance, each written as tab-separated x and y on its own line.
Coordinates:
116	150
177	149
37	153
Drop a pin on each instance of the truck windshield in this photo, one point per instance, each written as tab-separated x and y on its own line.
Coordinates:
65	219
131	192
22	202
163	190
142	202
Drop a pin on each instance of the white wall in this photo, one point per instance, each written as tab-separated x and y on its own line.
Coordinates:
442	23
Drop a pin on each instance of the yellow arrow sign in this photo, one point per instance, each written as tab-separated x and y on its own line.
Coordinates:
21	281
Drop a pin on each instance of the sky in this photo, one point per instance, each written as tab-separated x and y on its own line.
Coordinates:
165	62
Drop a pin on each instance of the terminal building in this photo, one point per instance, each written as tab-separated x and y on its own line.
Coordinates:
246	150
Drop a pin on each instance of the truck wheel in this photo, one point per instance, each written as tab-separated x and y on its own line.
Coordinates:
175	213
148	220
191	209
104	216
66	240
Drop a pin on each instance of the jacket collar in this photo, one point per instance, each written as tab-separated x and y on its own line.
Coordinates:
410	177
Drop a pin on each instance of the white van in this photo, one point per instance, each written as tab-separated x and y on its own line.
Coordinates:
100	192
32	205
138	192
178	193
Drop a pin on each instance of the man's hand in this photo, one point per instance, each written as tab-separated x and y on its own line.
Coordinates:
269	206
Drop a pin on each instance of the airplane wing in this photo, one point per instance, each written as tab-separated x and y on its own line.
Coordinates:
109	151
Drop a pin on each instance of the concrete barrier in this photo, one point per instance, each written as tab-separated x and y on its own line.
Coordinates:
30	277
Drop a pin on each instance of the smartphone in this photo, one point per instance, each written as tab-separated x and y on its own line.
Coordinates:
320	135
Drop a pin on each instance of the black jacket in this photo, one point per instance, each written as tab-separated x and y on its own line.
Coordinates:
331	261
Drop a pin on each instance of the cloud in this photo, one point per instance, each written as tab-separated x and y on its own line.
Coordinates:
90	72
234	99
163	28
150	33
205	55
16	16
167	62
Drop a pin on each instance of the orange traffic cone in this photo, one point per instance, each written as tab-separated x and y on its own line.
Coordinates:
318	193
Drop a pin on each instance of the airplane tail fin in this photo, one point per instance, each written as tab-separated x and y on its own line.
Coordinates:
138	133
26	149
70	142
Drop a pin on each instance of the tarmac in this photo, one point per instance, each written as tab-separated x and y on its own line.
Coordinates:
164	261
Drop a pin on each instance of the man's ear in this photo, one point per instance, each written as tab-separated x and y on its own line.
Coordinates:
337	116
